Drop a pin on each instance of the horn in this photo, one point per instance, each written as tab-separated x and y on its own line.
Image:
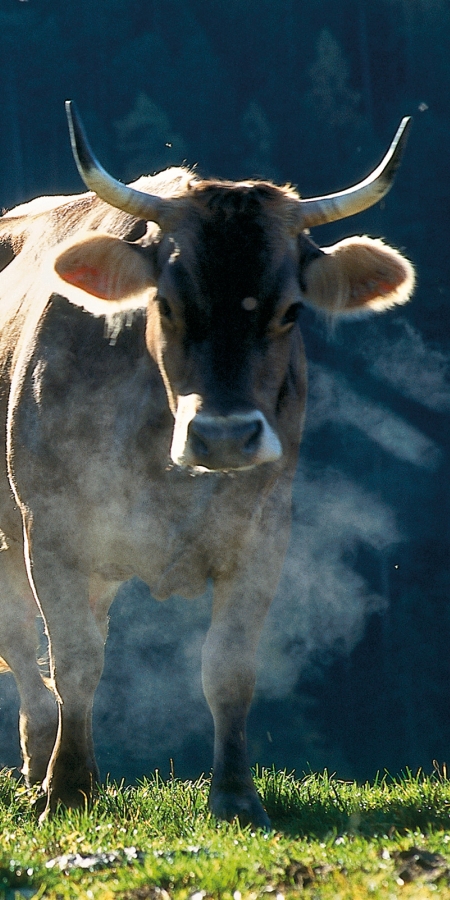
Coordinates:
331	207
137	203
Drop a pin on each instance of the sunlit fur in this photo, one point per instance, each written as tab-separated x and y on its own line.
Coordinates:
102	265
89	495
34	230
359	274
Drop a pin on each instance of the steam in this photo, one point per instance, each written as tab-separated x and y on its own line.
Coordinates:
150	697
151	691
413	368
333	400
322	602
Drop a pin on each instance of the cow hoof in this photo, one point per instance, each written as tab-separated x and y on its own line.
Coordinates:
38	805
55	802
65	789
246	808
76	799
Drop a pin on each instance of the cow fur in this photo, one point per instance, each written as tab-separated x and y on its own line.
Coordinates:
153	396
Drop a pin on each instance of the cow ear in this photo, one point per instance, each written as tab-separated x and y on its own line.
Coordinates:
105	267
357	275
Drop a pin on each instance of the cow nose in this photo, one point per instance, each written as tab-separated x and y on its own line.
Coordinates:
221	443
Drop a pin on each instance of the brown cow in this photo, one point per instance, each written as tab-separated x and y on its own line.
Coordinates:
153	398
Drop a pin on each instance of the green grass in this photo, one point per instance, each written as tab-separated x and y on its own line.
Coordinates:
331	839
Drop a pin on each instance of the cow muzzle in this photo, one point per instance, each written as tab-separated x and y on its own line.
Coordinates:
221	443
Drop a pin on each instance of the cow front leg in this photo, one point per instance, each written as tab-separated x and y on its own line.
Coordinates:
76	646
228	675
18	647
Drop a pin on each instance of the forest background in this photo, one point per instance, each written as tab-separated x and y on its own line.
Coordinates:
354	662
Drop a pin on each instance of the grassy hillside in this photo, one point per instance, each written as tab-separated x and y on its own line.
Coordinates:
157	841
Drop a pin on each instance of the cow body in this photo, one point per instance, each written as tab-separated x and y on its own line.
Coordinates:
152	405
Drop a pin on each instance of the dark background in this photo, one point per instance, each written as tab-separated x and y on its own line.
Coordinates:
354	662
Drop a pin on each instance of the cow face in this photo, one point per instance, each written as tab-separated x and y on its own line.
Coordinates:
222	324
221	328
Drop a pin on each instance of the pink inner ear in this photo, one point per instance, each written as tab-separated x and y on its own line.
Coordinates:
365	291
90	279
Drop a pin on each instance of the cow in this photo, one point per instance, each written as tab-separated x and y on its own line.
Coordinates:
152	403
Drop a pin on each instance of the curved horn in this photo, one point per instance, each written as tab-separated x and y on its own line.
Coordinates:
137	203
331	207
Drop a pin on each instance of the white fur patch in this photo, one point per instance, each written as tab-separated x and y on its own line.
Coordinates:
187	408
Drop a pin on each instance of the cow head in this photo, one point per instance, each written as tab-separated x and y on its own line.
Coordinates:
227	274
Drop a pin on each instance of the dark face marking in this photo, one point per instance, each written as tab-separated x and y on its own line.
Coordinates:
219	295
235	261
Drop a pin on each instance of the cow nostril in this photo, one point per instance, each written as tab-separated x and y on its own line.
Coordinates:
252	437
204	436
225	442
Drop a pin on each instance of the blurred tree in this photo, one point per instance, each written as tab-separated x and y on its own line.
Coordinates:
311	92
332	108
146	139
257	134
332	100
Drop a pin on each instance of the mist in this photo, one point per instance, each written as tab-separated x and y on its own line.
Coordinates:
149	707
353	663
325	597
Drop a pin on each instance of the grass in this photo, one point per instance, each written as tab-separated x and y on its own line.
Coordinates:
157	840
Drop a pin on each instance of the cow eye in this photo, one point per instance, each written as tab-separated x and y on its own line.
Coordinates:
291	314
